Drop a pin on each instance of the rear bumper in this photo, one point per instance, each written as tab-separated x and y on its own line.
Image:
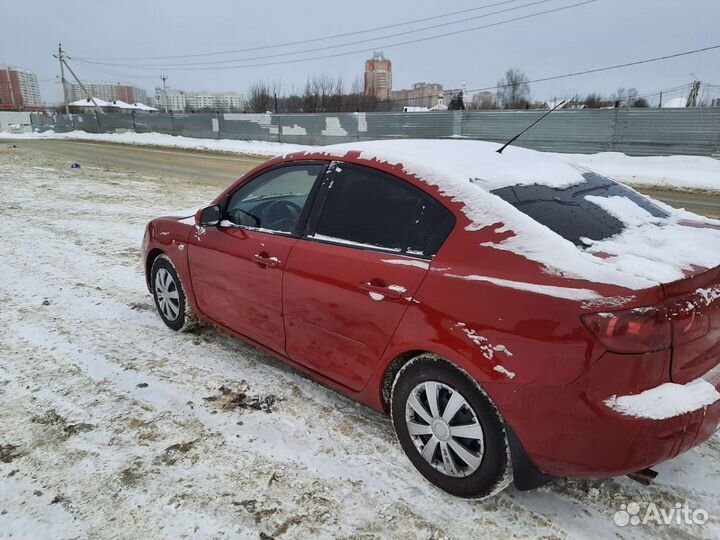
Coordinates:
615	444
573	431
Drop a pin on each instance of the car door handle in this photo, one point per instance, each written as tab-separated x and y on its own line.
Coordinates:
265	260
391	292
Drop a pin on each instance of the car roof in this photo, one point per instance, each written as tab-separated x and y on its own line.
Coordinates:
443	161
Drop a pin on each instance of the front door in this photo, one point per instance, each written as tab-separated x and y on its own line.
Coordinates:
237	267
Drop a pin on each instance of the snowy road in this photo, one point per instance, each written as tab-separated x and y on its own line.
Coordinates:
223	168
112	426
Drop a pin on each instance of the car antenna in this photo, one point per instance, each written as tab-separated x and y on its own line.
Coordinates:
504	146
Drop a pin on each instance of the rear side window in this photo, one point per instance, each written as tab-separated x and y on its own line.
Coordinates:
432	226
569	214
371	209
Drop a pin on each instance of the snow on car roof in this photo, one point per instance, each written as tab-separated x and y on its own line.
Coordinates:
466	171
465	159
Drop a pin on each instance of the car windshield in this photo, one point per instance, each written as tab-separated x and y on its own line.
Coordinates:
568	213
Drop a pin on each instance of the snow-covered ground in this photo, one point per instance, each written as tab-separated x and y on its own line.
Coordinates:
683	173
113	426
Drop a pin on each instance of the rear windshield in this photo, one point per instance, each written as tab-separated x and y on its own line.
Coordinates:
569	214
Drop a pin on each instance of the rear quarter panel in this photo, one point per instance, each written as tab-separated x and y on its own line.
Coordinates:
504	337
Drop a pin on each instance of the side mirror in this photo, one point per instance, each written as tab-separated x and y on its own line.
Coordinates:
208	217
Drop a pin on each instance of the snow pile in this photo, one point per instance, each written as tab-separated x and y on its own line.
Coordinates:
504	371
408	262
440	159
662	250
709	295
259	148
685	173
488	349
667	400
568	293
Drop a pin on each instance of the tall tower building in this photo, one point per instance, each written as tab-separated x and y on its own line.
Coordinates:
378	76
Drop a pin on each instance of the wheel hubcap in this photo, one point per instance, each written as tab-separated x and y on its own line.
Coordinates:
445	429
167	295
440	429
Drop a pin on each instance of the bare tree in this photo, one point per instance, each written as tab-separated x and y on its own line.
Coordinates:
482	101
356	99
260	97
625	97
593	101
513	90
619	96
321	93
292	103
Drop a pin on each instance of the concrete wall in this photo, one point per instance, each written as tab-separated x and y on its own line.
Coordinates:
639	132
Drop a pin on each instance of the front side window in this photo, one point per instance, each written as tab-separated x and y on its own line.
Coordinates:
368	208
273	200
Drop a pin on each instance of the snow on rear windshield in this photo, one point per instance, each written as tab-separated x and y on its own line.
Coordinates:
568	213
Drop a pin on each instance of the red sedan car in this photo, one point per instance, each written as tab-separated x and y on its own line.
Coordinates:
513	313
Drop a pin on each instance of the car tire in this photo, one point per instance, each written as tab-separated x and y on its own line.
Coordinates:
465	453
169	295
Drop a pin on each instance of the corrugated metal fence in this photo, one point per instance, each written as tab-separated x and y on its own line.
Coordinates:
639	132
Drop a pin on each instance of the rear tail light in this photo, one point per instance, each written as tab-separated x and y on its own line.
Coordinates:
689	324
635	331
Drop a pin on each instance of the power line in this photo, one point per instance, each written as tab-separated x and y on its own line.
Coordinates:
105	71
329	47
313	40
356	51
608	68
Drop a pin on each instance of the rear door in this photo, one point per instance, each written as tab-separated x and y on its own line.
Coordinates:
349	280
237	267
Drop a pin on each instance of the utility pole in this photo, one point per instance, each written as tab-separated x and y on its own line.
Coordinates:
164	78
61	58
693	95
82	86
660	105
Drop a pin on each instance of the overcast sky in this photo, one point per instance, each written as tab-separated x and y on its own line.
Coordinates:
601	33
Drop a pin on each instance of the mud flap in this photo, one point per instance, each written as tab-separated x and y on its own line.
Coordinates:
526	475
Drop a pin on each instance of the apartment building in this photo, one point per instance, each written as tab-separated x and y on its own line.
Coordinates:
180	101
421	94
19	90
378	76
106	91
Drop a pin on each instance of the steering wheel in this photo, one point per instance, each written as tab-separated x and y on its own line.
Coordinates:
280	215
